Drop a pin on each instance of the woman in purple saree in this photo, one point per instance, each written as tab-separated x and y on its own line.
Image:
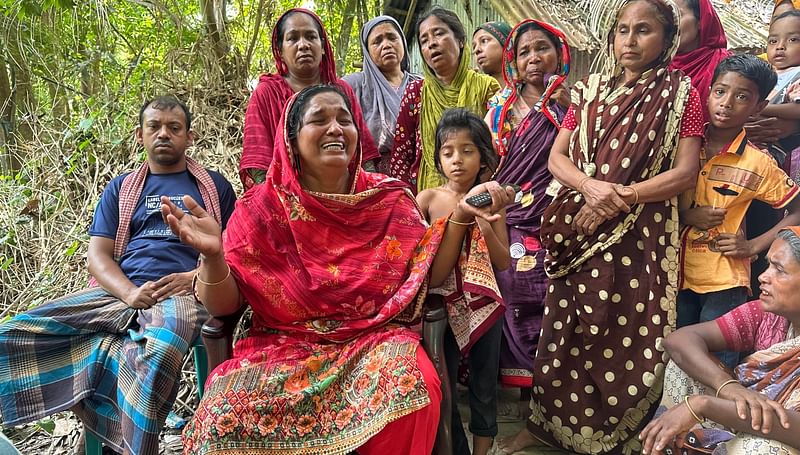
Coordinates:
524	119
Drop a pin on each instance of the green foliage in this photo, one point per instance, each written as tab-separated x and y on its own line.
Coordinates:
80	72
48	425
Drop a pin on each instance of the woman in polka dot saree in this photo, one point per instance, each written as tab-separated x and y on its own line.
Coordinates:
628	146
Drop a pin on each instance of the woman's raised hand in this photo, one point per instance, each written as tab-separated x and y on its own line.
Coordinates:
501	197
603	198
197	228
561	96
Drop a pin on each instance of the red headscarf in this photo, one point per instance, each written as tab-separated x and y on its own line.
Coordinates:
712	48
328	266
270	96
327	68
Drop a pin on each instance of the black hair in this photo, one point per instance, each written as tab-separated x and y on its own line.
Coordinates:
449	18
785	14
664	16
294	119
282	23
531	26
461	119
166	103
694	7
751	68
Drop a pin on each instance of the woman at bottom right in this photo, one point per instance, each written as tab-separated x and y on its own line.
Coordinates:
760	399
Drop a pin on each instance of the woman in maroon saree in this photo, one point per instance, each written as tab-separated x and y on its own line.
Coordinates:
300	63
524	120
334	262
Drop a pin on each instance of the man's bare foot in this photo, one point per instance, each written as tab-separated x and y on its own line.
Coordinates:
514	444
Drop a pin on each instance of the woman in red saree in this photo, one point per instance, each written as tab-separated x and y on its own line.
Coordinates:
760	399
703	45
628	146
334	262
303	57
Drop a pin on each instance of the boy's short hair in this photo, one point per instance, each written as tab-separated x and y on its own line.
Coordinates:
752	68
166	103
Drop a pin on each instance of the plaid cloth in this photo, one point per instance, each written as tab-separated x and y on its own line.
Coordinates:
116	367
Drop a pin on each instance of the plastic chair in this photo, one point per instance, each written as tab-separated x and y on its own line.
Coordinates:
93	445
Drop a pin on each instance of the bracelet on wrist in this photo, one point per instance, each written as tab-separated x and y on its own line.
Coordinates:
694	414
217	283
460	223
719	389
635	194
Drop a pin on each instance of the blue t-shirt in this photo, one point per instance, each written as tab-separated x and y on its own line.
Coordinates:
153	250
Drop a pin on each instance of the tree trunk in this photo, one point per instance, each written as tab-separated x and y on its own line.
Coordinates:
343	42
214	18
24	101
6	109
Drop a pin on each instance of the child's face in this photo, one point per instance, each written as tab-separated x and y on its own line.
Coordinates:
638	37
733	99
783	43
460	157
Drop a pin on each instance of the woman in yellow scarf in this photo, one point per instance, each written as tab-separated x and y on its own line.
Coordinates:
448	83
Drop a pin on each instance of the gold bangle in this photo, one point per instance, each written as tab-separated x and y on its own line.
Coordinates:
719	389
688	406
197	275
450	220
635	194
582	182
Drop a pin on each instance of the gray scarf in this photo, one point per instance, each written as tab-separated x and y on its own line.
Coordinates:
380	102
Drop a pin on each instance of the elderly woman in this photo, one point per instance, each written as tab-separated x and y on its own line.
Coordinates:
702	45
760	401
524	119
303	57
628	145
383	81
332	260
448	83
488	41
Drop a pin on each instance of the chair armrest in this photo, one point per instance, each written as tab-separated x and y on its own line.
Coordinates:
217	335
434	325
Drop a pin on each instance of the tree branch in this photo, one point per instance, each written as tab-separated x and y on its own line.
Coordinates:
248	57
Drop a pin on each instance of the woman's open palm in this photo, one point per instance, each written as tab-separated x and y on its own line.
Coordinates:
197	228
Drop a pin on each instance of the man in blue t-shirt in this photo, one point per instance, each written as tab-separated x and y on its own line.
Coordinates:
113	353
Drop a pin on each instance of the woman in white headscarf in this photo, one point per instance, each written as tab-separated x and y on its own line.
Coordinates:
380	86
